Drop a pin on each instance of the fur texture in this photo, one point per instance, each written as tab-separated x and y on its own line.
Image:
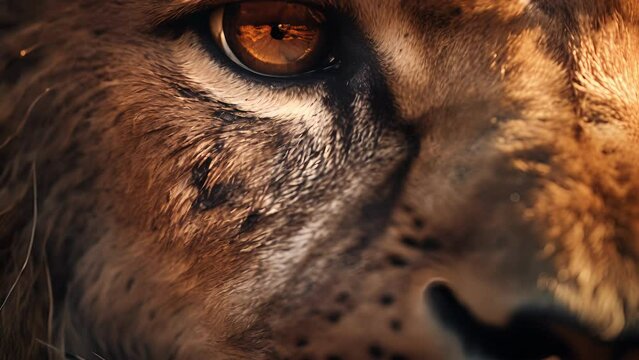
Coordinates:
188	209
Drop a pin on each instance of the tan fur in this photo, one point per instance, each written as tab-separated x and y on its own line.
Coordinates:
187	210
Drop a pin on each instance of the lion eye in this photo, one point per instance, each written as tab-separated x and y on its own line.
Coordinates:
272	38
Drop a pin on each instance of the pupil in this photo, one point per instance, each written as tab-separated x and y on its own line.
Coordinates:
276	32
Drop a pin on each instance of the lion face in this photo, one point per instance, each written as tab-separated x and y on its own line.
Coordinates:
322	179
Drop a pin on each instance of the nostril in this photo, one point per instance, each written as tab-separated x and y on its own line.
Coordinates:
524	338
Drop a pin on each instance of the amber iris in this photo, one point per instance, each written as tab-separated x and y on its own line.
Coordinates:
272	37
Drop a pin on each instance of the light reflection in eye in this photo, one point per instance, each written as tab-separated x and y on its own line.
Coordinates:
272	38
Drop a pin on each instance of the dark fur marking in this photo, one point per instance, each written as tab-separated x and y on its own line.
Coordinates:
395	325
431	244
578	132
418	223
301	342
129	284
428	244
250	222
397	261
334	317
410	242
227	116
211	198
333	357
219	146
376	351
360	77
232	115
191	94
387	300
100	31
200	173
342	297
398	357
456	11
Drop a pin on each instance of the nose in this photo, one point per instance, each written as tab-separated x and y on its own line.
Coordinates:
528	334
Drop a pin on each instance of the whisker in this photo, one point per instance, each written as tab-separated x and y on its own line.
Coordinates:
31	240
98	356
65	355
50	294
25	118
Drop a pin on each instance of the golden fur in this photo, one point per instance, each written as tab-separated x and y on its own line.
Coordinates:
187	210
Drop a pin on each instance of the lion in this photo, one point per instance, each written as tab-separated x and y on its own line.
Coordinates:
319	179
